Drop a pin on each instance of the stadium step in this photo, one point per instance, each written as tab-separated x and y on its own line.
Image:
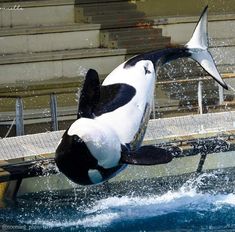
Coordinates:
49	38
36	12
55	64
122	25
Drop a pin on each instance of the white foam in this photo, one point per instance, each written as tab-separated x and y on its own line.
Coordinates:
226	200
100	220
145	207
106	211
126	208
116	209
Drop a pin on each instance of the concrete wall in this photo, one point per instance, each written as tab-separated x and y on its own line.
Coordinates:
181	32
37	15
184	7
45	70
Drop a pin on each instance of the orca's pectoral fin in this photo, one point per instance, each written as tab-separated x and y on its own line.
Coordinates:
147	155
90	94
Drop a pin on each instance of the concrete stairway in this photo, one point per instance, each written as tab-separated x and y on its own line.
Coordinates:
43	40
123	26
135	40
110	14
53	51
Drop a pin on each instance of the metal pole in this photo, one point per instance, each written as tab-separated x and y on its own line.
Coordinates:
78	94
221	94
53	105
153	108
19	117
199	97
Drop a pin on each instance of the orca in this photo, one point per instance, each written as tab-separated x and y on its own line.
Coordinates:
113	116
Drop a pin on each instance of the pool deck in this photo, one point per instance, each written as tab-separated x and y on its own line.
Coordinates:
165	130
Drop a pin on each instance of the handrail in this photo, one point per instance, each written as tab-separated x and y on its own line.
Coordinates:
53	99
36	94
224	76
19	112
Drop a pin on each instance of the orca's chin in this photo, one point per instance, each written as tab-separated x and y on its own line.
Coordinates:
65	164
74	159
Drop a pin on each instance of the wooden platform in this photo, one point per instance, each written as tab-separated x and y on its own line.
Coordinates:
166	130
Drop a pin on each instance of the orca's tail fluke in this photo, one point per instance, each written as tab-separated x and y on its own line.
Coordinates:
198	49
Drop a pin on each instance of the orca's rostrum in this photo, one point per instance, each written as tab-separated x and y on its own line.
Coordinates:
112	117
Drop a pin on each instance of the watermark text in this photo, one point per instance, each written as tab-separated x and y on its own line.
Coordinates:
12	8
6	227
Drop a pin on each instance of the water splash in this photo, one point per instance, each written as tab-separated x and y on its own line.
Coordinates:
184	208
81	71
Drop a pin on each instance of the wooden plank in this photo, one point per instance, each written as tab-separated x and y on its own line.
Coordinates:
158	131
191	126
29	145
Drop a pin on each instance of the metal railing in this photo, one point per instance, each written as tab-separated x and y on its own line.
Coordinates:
19	107
200	87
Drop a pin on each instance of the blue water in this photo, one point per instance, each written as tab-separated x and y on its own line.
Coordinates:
185	209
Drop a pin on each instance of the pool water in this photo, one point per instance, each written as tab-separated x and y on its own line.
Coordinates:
185	209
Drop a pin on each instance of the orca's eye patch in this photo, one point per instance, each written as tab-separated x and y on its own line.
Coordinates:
146	70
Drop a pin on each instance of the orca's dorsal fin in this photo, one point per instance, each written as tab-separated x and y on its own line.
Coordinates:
90	95
148	155
96	99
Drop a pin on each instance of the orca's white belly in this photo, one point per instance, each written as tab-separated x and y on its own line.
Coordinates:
125	120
